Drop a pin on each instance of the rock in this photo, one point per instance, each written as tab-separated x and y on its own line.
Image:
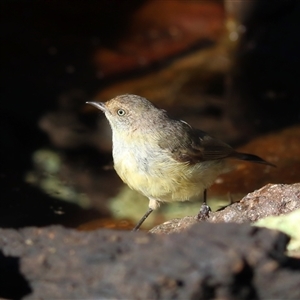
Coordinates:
270	200
219	261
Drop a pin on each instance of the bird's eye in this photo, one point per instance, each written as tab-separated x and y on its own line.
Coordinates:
121	112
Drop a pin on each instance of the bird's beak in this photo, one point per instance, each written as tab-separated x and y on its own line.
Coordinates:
99	105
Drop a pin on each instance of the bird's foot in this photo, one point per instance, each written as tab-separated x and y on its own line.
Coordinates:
203	212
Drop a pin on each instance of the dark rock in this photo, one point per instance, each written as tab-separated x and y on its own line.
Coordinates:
208	261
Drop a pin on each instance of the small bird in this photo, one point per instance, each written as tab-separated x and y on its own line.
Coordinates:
162	158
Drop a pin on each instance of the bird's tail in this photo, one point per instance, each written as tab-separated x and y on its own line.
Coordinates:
252	158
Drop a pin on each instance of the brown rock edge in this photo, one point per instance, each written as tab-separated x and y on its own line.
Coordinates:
270	200
205	261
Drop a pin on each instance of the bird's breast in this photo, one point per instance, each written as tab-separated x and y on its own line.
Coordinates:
153	172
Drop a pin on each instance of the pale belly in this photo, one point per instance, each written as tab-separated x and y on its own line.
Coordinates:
158	176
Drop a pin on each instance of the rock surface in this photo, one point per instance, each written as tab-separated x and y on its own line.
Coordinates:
270	200
208	261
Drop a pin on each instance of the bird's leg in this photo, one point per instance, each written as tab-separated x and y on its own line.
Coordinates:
204	197
141	221
204	209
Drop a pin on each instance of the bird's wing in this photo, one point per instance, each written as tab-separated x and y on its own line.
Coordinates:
192	145
203	147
